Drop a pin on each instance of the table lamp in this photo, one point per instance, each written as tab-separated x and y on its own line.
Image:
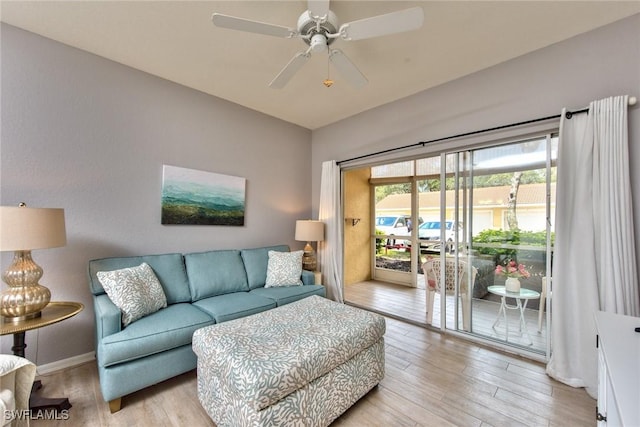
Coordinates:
309	231
23	229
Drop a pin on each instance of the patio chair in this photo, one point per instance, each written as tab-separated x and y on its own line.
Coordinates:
432	269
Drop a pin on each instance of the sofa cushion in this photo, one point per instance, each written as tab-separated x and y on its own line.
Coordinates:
232	306
136	291
163	330
288	294
215	273
284	269
168	268
255	264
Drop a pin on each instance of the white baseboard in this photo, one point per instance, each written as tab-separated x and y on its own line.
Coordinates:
66	363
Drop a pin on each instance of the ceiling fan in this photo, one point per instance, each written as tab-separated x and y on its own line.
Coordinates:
318	28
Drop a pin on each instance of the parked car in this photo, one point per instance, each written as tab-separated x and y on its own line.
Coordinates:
429	235
394	225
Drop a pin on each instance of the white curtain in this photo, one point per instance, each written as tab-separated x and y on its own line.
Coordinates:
616	259
594	262
330	249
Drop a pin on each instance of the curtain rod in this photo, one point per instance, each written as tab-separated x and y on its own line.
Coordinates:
568	115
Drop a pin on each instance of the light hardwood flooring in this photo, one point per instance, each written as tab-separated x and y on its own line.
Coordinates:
431	380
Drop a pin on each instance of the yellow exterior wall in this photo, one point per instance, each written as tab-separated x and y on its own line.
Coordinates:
357	241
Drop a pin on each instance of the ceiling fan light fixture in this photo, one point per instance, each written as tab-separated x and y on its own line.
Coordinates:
318	43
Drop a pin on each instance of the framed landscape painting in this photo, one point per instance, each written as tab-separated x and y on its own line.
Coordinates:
191	196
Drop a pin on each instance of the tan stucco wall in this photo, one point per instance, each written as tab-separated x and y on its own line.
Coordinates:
357	242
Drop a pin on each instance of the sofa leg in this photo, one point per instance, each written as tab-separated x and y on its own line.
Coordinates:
115	405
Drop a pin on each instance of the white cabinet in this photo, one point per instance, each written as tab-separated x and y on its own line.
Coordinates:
618	370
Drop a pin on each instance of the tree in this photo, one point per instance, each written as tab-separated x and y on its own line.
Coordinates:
512	219
383	191
496	180
428	185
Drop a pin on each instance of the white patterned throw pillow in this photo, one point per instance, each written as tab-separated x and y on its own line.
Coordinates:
284	269
136	291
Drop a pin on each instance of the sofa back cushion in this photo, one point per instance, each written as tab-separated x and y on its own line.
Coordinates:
215	273
255	264
168	268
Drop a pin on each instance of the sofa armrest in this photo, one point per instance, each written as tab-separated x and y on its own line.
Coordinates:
108	316
308	277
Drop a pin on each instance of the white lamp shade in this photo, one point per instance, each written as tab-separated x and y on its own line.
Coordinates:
309	231
25	229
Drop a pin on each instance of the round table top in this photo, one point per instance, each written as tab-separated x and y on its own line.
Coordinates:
54	312
523	294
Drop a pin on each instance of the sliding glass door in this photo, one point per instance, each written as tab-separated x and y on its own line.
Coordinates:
472	232
497	220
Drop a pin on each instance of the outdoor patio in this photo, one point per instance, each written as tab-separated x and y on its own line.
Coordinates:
409	303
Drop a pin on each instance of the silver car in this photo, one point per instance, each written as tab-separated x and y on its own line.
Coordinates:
429	235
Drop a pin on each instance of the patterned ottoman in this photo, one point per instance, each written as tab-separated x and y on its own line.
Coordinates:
301	364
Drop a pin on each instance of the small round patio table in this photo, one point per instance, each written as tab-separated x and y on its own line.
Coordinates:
524	295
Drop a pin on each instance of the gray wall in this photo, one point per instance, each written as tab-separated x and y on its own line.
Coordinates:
90	136
572	73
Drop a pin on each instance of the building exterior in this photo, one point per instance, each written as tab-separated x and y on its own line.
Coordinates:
489	210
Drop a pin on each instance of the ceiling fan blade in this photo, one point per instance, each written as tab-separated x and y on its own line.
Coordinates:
381	25
289	70
347	69
318	7
241	24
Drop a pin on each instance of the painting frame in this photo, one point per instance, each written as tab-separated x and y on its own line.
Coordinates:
196	197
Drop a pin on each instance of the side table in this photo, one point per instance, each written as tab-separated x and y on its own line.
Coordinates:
54	312
524	294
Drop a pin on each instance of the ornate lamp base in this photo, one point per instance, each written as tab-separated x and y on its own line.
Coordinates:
309	258
25	298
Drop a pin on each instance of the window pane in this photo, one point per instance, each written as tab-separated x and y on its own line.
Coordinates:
431	165
393	170
512	188
524	155
392	228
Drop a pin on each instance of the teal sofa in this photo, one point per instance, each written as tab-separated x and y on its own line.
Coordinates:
201	289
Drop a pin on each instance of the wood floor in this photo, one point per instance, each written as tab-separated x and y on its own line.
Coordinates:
431	380
409	303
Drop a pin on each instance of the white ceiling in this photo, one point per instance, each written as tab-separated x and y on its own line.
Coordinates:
176	40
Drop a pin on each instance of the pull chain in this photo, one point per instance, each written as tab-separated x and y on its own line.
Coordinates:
328	82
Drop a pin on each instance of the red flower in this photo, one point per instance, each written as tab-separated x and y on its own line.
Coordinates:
513	269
